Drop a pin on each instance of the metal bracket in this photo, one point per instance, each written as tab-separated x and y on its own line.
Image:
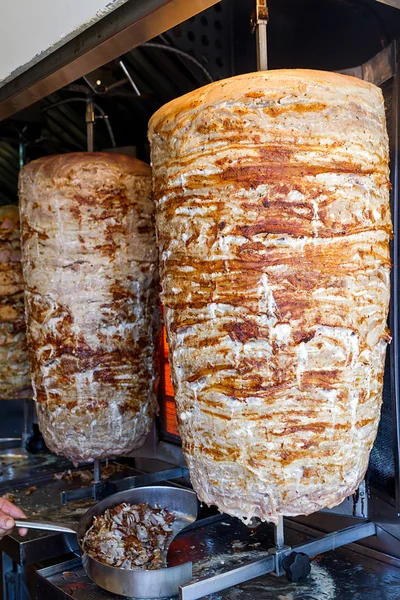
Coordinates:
259	23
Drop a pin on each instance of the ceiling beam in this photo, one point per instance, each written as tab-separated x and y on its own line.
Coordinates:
132	24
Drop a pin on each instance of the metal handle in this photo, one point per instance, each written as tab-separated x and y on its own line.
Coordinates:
45	525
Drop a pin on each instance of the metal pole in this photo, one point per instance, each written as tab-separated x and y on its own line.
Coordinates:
90	123
97	472
28	421
129	77
279	536
260	22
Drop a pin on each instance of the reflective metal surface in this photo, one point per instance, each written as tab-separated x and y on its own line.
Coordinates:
161	583
39	497
338	575
44	525
260	23
334	540
18	466
183	504
229	578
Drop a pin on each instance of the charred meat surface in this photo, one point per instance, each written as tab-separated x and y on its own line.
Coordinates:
130	536
273	219
91	276
15	377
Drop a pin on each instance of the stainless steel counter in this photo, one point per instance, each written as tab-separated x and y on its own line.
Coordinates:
35	484
18	466
340	575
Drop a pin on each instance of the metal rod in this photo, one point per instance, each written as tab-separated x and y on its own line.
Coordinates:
129	76
124	28
216	583
21	152
222	581
96	471
28	421
279	536
116	84
260	22
334	540
96	106
44	525
107	124
261	41
90	123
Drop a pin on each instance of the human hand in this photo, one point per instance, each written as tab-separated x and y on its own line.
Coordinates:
9	512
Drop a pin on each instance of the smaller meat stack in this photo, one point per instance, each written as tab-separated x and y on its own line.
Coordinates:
14	364
90	271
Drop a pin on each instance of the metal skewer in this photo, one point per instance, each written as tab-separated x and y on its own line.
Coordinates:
279	535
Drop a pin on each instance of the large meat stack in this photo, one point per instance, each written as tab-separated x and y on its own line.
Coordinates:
15	381
273	220
90	269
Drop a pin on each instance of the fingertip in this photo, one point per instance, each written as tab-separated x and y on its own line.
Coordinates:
16	512
22	532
